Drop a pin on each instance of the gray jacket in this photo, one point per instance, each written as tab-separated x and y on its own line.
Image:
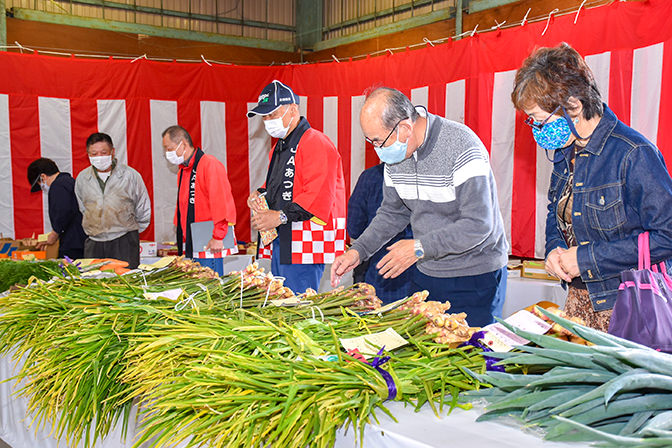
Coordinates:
447	191
115	207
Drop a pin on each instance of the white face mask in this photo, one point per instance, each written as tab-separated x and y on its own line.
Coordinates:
44	187
101	163
275	128
172	156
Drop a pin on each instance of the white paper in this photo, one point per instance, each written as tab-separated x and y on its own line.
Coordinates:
170	294
367	344
500	339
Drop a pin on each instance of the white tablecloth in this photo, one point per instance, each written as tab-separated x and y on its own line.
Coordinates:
414	430
522	292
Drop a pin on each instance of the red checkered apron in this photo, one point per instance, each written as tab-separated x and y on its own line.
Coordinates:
313	243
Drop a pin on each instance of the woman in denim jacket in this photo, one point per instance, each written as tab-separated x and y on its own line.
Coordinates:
609	183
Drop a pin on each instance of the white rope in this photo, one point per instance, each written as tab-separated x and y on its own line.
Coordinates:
425	41
268	290
579	10
525	18
312	309
548	21
144	56
182	304
206	61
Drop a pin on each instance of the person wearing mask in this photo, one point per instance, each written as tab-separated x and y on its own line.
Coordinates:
609	183
438	179
304	189
203	191
114	203
362	206
64	215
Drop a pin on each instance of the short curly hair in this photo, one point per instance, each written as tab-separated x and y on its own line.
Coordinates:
550	76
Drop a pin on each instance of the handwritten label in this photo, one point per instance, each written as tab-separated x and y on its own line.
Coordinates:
370	344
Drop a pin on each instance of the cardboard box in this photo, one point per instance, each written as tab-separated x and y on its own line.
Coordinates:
9	246
29	255
147	248
535	269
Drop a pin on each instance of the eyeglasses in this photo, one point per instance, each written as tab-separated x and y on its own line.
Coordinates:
536	125
380	145
36	181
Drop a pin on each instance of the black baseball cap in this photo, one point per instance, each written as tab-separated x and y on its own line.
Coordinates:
273	96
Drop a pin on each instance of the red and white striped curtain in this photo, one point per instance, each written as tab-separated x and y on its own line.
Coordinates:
49	105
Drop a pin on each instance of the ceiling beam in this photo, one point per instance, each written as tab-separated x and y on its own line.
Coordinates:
180	14
436	16
150	30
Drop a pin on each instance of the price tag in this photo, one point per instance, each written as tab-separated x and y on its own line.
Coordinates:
500	339
291	301
170	294
42	238
370	344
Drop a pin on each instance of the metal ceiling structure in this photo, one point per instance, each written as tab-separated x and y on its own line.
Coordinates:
283	25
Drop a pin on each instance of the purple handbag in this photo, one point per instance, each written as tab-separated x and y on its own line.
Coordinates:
643	310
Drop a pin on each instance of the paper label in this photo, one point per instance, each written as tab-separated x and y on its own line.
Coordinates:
170	294
42	238
291	301
386	308
501	339
370	344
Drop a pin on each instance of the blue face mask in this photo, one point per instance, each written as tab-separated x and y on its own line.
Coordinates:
553	135
394	153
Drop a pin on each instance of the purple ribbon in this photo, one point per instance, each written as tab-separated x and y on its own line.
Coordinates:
71	262
376	363
489	361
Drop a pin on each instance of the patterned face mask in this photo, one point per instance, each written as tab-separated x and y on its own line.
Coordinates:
553	135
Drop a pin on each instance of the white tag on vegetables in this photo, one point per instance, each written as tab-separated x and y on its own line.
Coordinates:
290	301
367	345
170	294
500	339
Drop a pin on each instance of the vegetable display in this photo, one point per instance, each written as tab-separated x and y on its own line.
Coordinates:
612	391
219	364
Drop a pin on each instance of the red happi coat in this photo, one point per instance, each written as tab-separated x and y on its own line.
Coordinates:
318	186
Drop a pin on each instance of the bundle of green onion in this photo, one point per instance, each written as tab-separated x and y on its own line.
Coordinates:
614	391
220	364
249	382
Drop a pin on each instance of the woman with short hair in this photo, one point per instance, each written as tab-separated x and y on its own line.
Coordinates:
609	183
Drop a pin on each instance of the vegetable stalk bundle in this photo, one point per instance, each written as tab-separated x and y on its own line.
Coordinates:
92	346
249	382
614	391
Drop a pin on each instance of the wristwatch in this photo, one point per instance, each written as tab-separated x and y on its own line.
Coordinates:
283	217
419	251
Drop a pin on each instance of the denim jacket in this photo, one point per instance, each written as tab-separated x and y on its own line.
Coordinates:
621	188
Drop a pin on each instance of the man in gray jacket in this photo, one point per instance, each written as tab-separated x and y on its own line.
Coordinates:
438	179
114	203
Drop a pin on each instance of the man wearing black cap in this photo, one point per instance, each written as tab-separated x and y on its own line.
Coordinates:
64	214
305	191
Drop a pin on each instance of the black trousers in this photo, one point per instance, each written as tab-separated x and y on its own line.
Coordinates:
126	248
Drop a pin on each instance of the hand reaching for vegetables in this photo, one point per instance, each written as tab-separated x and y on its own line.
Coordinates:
342	264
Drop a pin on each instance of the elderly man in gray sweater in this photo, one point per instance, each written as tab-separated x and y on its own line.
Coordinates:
438	179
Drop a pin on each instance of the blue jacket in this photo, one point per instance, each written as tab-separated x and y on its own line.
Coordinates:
362	206
621	188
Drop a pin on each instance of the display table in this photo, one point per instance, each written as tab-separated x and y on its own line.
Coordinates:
415	430
522	292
